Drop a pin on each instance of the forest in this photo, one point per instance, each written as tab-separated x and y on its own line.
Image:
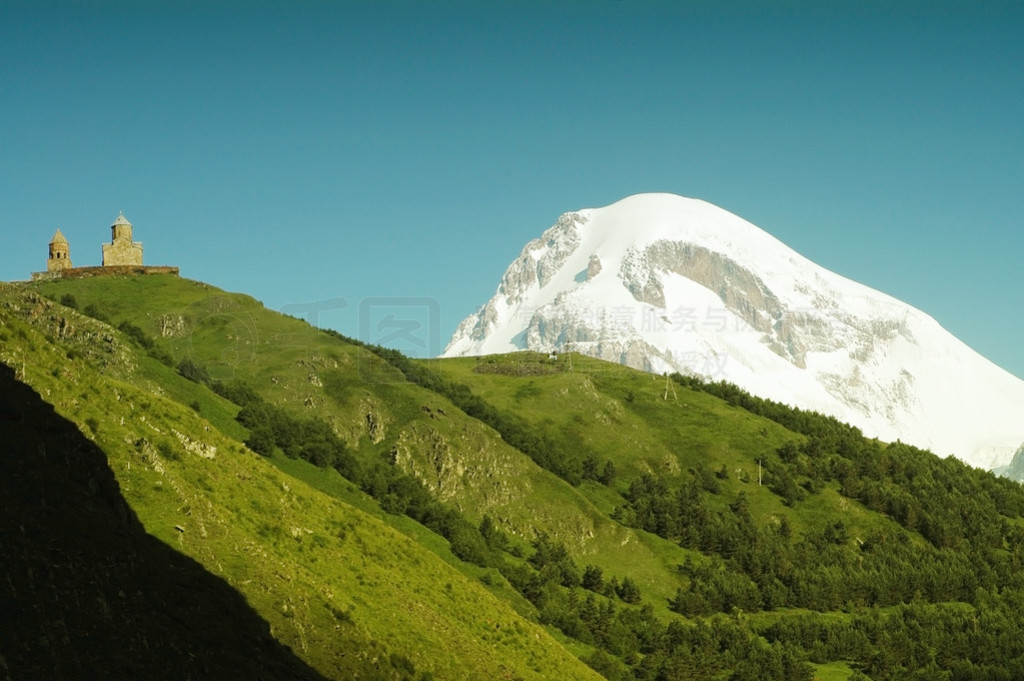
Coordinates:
930	595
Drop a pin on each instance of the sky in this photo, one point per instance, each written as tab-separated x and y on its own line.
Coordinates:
382	161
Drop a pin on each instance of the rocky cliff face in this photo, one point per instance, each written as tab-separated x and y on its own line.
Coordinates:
664	283
1015	469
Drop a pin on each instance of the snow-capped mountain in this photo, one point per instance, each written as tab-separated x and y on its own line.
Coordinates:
665	283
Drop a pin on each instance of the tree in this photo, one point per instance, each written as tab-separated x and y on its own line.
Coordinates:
628	591
495	538
261	441
193	371
607	476
552	559
593	579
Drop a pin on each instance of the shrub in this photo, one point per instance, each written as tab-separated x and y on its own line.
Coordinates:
168	451
193	371
94	312
136	334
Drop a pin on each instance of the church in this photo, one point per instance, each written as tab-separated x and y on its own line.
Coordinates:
122	255
122	250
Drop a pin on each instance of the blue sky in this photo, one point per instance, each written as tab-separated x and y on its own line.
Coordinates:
310	150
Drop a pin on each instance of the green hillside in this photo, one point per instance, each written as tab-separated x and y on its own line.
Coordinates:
91	595
351	596
376	411
513	515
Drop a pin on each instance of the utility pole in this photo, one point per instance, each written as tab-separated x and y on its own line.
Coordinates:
669	386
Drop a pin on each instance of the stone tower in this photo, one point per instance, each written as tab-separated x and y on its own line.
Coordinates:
122	250
60	254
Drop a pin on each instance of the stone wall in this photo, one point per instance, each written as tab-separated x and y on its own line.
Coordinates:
105	271
122	252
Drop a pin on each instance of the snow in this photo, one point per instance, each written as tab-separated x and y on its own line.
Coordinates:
863	356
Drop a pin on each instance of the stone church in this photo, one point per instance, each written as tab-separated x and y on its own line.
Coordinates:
122	250
121	256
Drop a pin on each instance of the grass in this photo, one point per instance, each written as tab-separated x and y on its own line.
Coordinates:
457	457
832	671
311	551
337	585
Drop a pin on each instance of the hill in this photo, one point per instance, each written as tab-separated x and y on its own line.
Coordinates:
350	595
519	512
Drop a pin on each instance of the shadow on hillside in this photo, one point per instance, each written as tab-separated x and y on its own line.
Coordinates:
85	593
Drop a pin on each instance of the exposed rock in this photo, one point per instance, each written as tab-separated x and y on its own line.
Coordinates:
173	326
193	446
440	463
638	276
375	429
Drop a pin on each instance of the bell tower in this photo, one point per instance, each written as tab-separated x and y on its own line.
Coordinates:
121	230
60	254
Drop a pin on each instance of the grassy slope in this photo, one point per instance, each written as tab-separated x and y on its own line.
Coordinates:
378	412
338	586
87	593
612	412
629	418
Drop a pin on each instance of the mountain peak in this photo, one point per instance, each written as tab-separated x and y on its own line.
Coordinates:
666	283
